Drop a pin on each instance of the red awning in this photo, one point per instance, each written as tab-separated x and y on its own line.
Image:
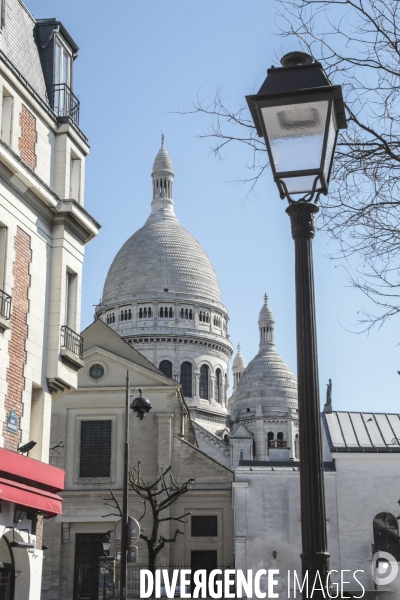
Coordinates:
49	503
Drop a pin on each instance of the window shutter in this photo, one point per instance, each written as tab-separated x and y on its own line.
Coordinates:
95	449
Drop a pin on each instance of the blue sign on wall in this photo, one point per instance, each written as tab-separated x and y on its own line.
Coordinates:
12	422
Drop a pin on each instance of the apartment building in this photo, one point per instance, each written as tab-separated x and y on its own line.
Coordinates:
44	228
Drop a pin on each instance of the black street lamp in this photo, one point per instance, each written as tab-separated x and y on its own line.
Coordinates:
299	113
106	550
141	406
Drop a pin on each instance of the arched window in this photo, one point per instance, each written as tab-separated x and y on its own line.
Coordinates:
130	314
217	386
166	368
271	442
126	315
121	317
204	382
171	314
161	312
182	313
145	312
186	379
386	531
108	319
190	314
186	313
149	312
140	313
280	436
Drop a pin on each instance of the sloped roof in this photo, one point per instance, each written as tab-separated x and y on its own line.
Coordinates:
98	334
362	432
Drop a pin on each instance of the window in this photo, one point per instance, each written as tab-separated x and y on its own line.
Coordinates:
161	312
186	379
386	532
217	386
204	382
271	443
166	368
62	78
6	117
204	526
95	456
75	176
3	254
71	300
140	313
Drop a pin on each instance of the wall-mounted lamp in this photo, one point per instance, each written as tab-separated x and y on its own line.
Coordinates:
65	533
27	447
19	513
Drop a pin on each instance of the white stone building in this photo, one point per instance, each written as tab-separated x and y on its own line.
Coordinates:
91	423
162	295
43	230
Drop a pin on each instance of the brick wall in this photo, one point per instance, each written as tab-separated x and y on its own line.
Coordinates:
19	333
27	141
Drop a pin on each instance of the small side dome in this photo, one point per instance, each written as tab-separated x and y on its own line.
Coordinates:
238	361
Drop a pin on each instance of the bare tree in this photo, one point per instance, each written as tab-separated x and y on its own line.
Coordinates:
358	44
159	495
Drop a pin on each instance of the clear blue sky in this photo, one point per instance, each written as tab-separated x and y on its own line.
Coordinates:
139	63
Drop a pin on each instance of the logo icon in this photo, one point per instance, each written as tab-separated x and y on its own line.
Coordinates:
384	568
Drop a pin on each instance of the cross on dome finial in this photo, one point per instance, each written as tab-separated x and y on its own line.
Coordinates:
266	298
238	347
162	140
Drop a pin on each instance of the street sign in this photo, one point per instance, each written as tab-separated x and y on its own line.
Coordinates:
133	531
12	422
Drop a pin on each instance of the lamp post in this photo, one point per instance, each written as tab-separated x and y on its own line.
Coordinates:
106	550
141	406
299	113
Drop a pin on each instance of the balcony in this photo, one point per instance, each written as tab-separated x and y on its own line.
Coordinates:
65	103
5	311
71	347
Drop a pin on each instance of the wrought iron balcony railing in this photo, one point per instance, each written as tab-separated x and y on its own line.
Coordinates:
65	103
5	305
71	340
393	549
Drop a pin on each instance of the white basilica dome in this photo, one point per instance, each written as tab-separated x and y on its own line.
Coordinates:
161	256
162	295
267	381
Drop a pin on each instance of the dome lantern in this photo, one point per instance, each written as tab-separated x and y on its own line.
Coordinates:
266	324
163	175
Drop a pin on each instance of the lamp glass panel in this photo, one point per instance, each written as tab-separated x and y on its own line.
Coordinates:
330	145
296	135
300	185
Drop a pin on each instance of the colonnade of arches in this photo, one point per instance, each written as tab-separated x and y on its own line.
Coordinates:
186	380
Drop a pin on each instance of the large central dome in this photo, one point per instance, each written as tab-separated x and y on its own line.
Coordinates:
161	255
162	296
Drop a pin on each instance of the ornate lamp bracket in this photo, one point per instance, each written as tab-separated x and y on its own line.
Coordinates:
309	197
